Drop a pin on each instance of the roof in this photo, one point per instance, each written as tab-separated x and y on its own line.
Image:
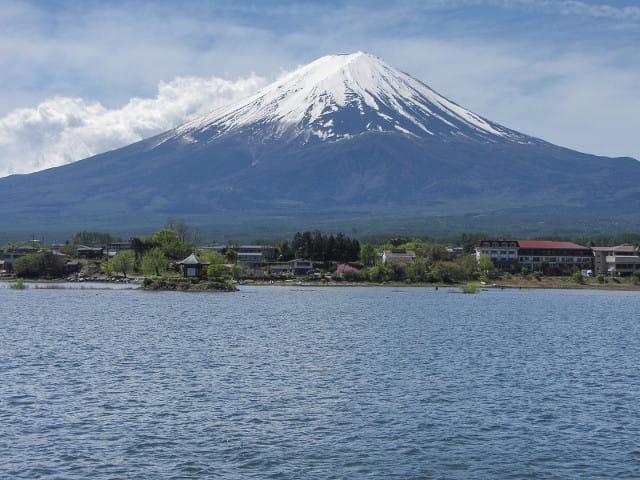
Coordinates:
192	259
490	240
399	253
550	245
625	247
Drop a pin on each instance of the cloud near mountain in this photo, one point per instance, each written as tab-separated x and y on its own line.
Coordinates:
61	130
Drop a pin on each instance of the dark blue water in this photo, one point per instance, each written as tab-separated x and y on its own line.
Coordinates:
279	382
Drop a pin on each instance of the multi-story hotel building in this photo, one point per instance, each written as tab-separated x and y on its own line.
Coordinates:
556	257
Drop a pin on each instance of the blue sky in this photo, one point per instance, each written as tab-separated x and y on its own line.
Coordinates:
77	78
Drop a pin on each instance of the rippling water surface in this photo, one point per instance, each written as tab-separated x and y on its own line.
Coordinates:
294	382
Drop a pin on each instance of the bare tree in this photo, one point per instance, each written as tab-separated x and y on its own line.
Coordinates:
169	223
181	229
196	235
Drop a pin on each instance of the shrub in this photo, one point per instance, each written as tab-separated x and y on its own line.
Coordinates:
379	273
19	285
469	288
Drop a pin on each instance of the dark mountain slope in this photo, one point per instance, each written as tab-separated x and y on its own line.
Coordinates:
346	139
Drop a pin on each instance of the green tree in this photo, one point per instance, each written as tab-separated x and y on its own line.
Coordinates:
419	270
124	262
434	253
106	267
91	238
213	257
39	265
69	249
368	255
485	264
236	271
153	262
232	256
380	273
468	265
447	272
142	245
171	245
165	236
8	247
215	270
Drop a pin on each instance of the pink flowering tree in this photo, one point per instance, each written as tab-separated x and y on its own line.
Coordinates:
348	272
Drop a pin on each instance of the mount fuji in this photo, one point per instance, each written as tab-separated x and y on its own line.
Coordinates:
345	142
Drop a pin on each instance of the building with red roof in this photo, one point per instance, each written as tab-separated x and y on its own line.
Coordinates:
550	257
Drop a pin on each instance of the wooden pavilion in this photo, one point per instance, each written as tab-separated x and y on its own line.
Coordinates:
193	266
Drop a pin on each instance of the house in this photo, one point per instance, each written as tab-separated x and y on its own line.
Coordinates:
248	253
10	256
193	266
618	260
397	256
90	252
116	247
280	270
250	260
300	266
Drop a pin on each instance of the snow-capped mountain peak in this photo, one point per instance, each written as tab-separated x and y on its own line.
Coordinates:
340	96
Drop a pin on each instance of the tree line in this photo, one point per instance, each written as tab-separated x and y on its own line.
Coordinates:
320	248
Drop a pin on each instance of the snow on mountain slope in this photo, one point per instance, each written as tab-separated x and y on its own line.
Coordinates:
339	96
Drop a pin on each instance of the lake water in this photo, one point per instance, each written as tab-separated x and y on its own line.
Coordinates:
303	382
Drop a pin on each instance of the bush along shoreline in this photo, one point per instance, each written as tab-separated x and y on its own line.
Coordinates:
187	284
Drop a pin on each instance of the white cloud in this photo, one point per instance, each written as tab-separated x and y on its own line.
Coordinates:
599	10
61	130
586	101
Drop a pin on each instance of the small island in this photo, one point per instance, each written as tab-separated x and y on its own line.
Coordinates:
187	285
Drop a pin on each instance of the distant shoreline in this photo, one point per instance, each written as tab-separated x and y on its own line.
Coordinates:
550	283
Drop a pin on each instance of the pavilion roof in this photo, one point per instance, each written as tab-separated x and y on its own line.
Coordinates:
192	259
